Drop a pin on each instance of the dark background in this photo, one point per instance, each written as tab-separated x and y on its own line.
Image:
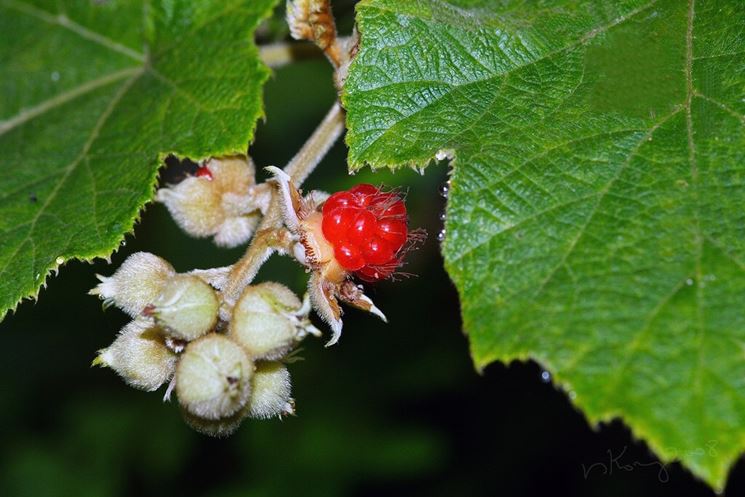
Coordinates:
391	410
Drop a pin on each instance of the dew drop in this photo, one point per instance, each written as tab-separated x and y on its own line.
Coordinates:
442	216
545	376
444	190
689	282
59	260
124	243
441	236
572	394
55	76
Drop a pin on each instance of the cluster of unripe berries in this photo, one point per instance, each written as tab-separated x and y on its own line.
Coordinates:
225	356
223	346
220	376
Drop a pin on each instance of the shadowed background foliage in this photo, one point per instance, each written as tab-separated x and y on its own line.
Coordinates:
391	410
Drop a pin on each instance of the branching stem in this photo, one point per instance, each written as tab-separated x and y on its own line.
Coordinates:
299	168
282	53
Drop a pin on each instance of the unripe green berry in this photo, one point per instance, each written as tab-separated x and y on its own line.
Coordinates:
140	356
186	308
213	377
270	391
264	320
136	283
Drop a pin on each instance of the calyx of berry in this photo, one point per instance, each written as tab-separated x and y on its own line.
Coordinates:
361	232
221	200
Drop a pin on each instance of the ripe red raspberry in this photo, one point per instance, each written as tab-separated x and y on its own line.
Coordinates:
367	228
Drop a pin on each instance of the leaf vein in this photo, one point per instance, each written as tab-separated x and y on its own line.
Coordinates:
63	21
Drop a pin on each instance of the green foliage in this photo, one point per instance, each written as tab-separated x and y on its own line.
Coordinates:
595	220
94	97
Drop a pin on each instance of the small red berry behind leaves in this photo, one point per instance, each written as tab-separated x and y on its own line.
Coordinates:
204	172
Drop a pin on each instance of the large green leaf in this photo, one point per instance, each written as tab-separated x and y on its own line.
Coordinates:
93	95
596	218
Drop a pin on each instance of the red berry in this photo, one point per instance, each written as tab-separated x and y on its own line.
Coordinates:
375	273
394	232
377	251
367	229
364	227
367	273
394	210
339	200
336	223
348	255
364	194
204	172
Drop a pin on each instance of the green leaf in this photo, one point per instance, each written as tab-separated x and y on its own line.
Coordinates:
595	221
93	96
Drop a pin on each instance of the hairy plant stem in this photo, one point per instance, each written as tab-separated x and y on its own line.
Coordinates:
282	53
299	168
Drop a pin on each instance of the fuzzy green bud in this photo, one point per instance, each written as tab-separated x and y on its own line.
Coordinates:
186	308
140	356
268	321
213	377
221	201
137	282
270	391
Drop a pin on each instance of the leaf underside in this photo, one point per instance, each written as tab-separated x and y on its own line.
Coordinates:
595	221
94	96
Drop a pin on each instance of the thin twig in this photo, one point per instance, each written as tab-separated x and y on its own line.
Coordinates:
299	167
283	53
